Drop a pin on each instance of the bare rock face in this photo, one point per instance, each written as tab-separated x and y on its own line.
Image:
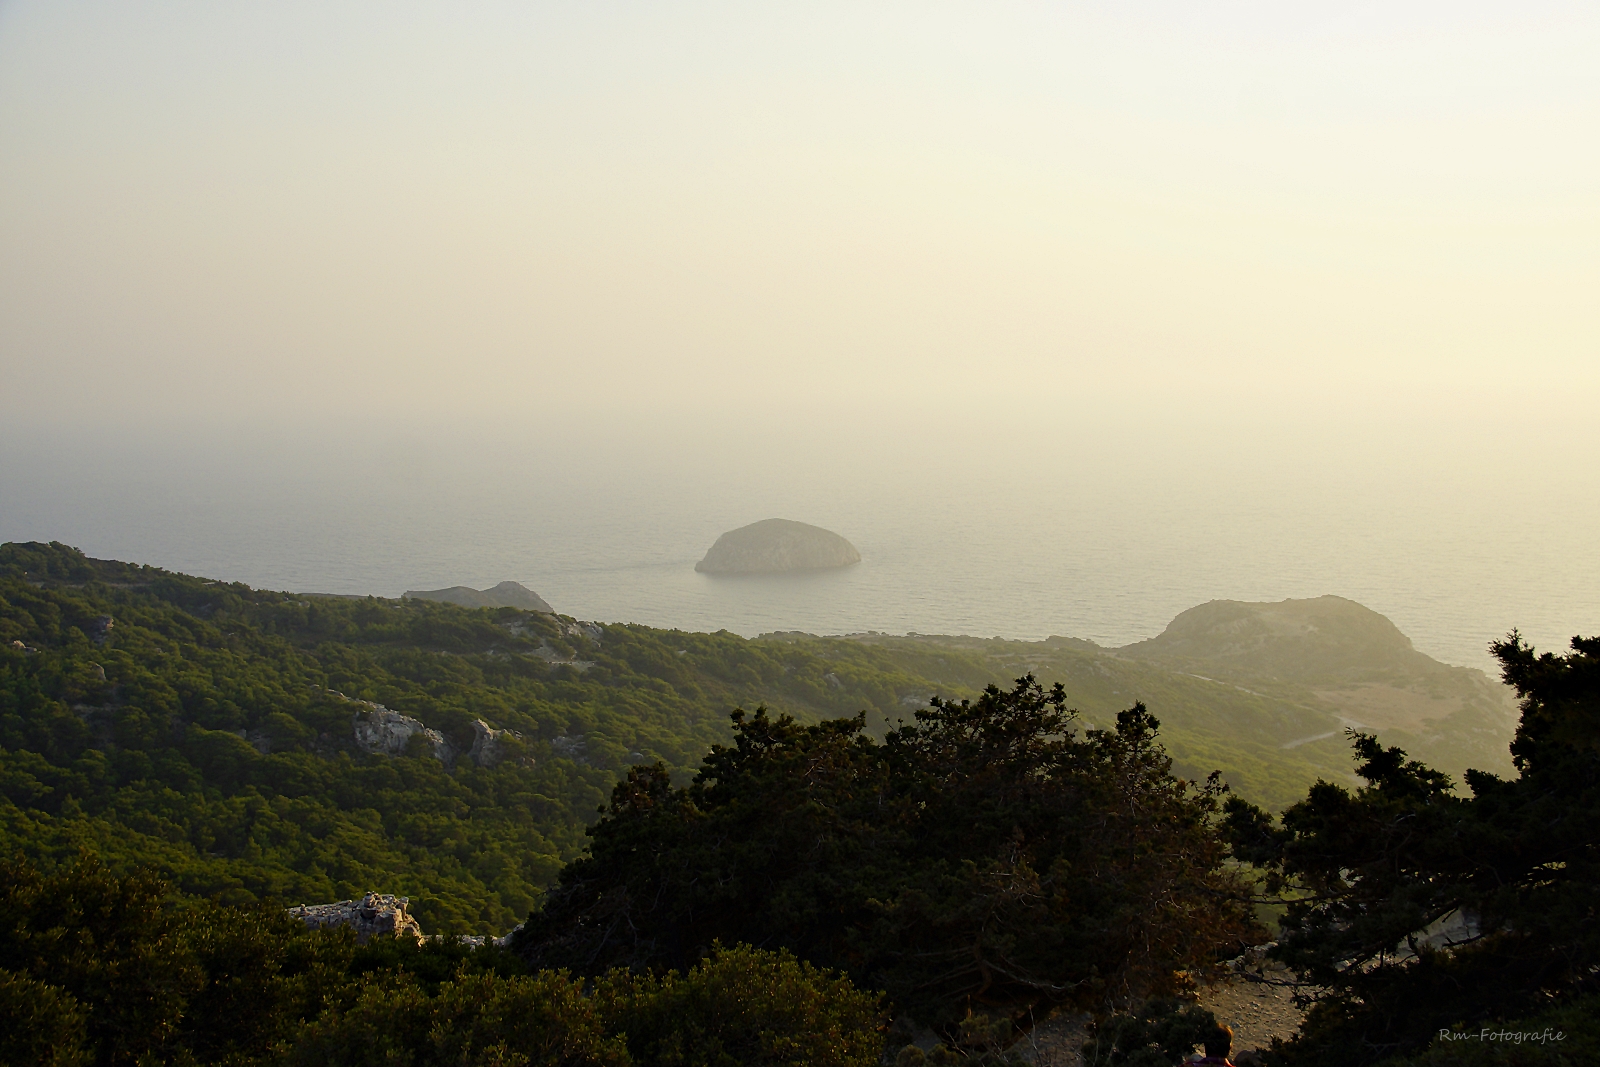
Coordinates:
377	729
384	732
504	595
572	748
777	546
376	914
486	748
381	915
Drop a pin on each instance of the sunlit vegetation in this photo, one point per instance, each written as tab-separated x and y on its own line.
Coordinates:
810	882
207	730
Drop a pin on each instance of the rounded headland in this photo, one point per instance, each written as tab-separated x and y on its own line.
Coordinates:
777	546
504	595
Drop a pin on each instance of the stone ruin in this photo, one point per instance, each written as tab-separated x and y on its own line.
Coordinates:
373	915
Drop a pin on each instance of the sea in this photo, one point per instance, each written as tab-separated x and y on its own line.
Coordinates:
954	539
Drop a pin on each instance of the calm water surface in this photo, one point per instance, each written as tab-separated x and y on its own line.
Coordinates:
1022	556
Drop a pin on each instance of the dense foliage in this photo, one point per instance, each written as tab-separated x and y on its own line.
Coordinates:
1162	1032
1419	911
743	1006
993	858
982	858
102	970
205	729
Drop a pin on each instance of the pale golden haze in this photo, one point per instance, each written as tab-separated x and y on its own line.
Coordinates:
407	207
1301	298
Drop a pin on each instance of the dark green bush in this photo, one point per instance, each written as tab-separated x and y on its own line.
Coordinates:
1160	1033
481	1020
108	944
1513	868
106	970
743	1007
1561	1037
984	857
43	1024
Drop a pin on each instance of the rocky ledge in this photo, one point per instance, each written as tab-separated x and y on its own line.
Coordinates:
380	915
777	546
374	914
378	730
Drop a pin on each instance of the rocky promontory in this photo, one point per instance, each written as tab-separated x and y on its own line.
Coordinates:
776	546
504	595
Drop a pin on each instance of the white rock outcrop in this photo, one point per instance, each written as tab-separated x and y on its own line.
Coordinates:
379	730
383	915
376	914
487	749
384	732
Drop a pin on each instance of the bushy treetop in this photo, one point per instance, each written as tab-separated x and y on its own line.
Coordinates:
1417	909
984	856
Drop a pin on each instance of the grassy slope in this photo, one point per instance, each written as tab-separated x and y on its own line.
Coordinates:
1337	656
1206	725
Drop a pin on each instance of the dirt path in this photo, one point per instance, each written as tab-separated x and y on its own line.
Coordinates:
1257	1011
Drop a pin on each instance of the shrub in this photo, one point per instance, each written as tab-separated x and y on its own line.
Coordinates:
744	1007
44	1024
1160	1033
481	1020
984	858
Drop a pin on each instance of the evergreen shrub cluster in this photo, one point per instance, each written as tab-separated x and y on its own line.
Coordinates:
983	859
1425	919
100	969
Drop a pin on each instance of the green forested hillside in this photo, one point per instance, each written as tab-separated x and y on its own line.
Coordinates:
207	730
1272	719
204	728
1268	747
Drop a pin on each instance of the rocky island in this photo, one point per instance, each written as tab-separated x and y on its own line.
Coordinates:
777	546
504	595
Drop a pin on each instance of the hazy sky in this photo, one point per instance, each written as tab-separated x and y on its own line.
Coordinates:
1385	211
1133	304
